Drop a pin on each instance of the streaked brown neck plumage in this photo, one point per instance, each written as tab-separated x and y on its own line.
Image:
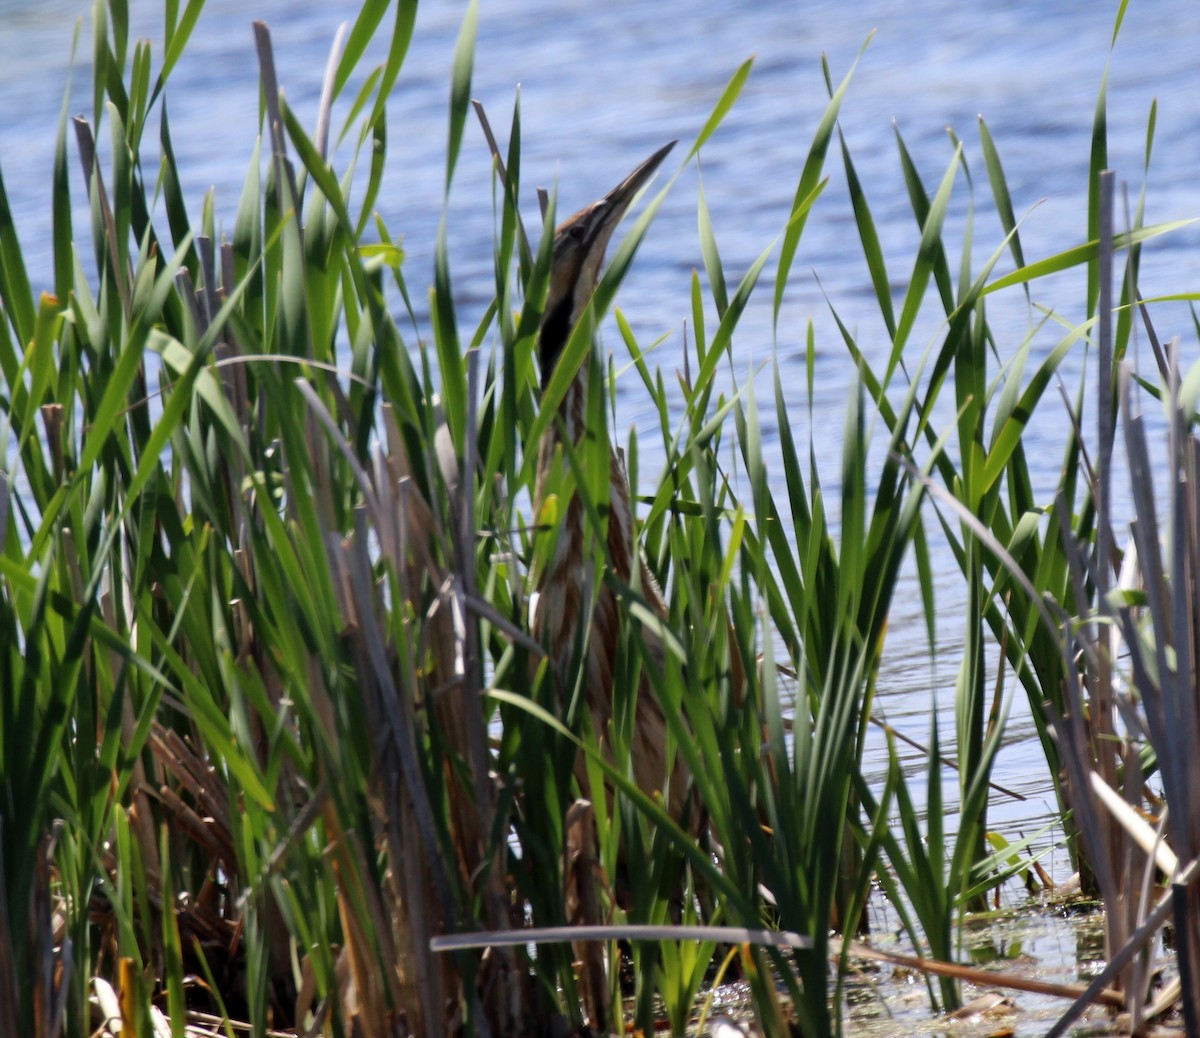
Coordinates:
565	582
579	246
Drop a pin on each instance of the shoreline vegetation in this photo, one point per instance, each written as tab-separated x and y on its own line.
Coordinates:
281	751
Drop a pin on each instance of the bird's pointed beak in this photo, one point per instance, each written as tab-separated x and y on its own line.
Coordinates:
619	197
579	244
602	218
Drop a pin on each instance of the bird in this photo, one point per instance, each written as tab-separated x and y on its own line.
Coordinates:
564	584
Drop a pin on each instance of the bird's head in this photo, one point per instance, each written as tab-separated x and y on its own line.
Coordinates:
579	244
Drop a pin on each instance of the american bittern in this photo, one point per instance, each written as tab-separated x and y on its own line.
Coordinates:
564	584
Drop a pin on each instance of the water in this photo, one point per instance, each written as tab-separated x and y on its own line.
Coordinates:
603	85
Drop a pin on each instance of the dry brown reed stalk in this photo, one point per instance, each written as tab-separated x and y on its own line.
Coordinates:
398	686
1106	736
1087	733
989	978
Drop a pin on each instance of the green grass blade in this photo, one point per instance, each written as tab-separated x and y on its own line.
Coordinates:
810	178
721	109
460	86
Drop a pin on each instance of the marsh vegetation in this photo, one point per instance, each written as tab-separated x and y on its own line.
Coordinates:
280	746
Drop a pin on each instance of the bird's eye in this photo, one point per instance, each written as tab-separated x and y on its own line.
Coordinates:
576	232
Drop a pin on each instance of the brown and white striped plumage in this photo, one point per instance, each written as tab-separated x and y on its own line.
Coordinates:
565	584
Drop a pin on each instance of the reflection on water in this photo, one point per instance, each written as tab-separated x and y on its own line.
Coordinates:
602	85
1033	941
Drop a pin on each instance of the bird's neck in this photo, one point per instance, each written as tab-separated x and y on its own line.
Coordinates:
569	429
563	582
